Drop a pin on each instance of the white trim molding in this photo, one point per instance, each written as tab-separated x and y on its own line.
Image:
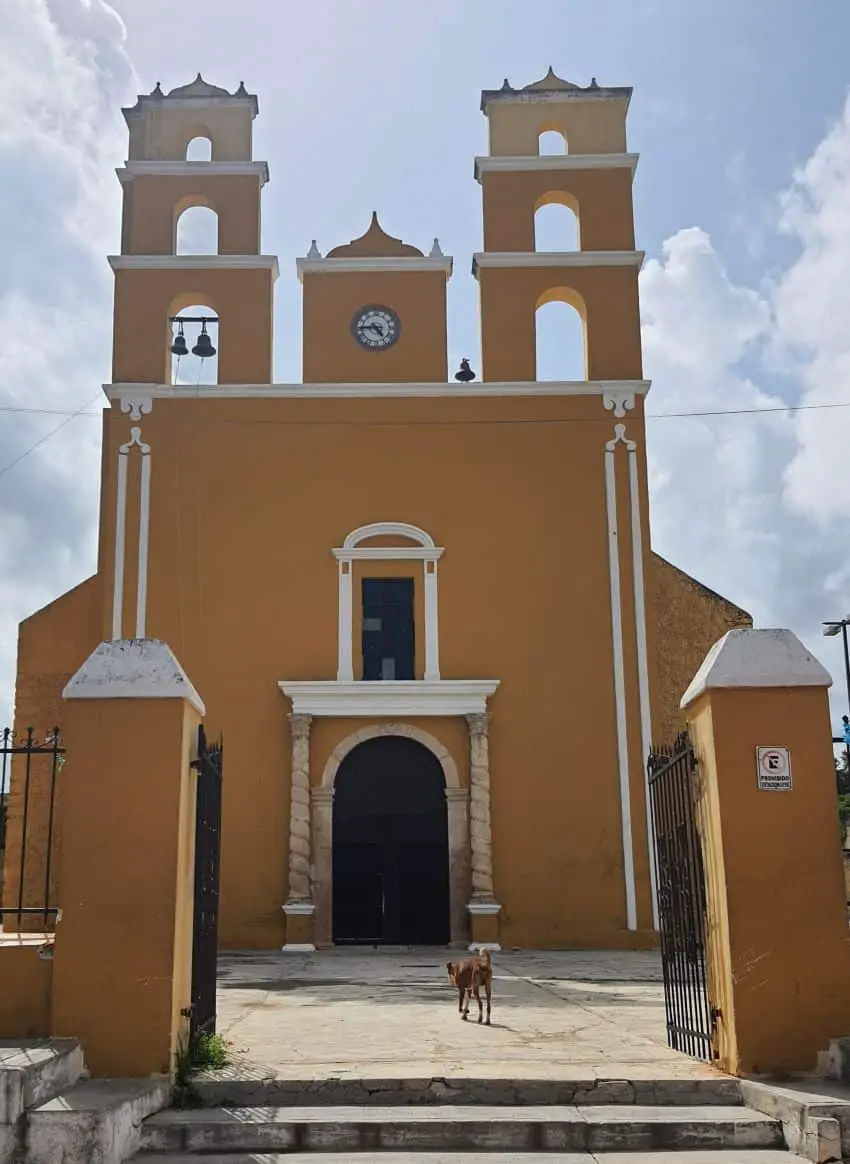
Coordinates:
484	259
137	406
340	391
620	671
378	264
549	162
391	697
195	263
120	548
160	169
425	550
619	401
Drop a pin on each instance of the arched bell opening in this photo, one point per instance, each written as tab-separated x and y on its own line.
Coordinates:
560	337
193	344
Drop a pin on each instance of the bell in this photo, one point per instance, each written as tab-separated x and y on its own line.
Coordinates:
178	348
203	347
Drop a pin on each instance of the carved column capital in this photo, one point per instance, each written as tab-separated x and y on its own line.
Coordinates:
478	723
299	725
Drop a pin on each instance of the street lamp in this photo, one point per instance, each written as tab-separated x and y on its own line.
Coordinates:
830	630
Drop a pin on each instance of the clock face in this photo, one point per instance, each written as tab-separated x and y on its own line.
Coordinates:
376	328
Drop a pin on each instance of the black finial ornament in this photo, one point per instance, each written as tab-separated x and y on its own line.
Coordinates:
157	91
241	91
593	83
464	373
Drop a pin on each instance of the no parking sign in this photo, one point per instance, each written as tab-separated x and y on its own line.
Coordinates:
774	769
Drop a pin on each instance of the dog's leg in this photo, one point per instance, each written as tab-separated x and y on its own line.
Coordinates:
460	993
488	990
465	1011
477	989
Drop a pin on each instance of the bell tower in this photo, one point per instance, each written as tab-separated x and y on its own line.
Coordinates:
152	282
593	177
374	311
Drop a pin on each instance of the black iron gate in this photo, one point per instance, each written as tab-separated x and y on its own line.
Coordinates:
209	766
681	899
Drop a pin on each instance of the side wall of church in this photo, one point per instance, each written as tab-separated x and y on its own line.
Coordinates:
53	644
688	619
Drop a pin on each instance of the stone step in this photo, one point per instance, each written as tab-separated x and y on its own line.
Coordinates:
604	1128
736	1156
250	1085
95	1122
33	1071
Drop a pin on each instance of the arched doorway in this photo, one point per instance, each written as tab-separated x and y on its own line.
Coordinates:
390	845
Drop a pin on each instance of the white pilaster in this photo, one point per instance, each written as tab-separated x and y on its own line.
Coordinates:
432	630
345	665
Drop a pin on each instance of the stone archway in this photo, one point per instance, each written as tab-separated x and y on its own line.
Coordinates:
457	805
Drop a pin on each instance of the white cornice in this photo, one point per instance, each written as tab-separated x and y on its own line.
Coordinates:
194	263
553	96
389	697
131	170
556	259
389	554
485	389
377	265
546	162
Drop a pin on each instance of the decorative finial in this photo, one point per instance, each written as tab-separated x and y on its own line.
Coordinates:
506	84
157	91
550	75
464	373
241	91
199	78
314	252
593	84
374	224
436	250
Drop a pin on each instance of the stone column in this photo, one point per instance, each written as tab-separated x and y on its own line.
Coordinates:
457	803
323	800
483	908
299	908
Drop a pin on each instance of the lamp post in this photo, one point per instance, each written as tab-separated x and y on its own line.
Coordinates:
831	629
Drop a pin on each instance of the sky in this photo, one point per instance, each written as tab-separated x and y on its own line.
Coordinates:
742	200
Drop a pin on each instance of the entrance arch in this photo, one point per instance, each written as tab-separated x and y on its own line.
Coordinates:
390	846
416	754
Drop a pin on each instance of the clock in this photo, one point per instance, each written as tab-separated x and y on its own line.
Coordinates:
376	328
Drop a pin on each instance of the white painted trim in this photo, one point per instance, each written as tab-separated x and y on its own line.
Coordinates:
144	536
342	391
133	669
388	554
643	667
552	96
484	908
138	169
432	633
545	162
513	259
299	908
746	657
137	406
619	672
120	547
388	529
399	697
345	662
377	265
195	263
298	948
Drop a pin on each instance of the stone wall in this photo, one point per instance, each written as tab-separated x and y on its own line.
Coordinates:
688	619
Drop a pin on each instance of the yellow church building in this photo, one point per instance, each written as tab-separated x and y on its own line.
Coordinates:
423	613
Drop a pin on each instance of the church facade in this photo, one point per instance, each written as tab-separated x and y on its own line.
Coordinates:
423	613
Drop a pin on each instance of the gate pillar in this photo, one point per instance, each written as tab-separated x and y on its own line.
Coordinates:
777	933
123	953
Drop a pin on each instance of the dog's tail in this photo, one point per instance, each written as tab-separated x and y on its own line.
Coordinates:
484	955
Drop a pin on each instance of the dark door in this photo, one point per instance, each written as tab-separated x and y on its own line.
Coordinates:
390	846
388	646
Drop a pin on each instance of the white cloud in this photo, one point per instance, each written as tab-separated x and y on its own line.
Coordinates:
756	505
63	77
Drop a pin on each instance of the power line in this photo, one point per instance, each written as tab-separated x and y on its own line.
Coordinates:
68	418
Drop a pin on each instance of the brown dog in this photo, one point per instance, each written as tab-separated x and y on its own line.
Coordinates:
469	976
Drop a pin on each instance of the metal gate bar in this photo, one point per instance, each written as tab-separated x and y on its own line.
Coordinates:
681	899
209	766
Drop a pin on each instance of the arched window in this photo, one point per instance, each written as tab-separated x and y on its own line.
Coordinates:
560	342
555	228
196	231
192	368
199	149
551	141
